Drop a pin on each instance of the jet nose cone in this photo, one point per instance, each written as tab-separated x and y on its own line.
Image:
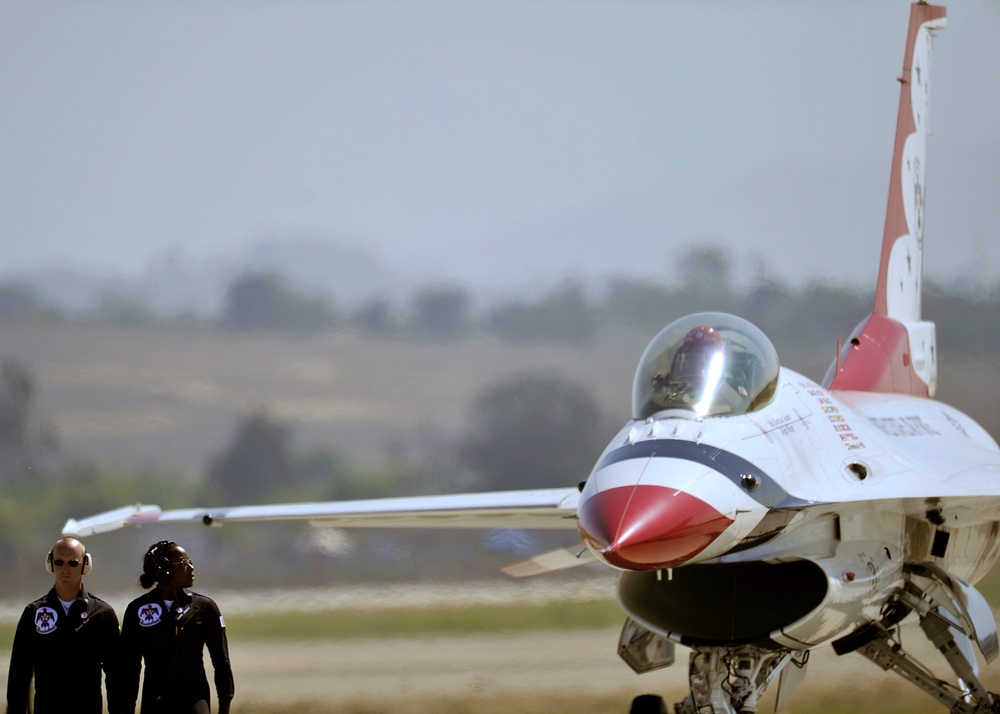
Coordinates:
648	527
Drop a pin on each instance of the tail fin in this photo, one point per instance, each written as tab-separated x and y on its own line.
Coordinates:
894	350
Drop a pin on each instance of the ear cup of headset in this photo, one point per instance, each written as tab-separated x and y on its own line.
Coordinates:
161	561
48	563
163	570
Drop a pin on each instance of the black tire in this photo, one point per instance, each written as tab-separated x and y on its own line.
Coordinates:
648	704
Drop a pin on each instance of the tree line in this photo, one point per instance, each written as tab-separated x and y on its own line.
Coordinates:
567	312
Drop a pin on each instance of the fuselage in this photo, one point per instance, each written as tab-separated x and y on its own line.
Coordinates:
825	494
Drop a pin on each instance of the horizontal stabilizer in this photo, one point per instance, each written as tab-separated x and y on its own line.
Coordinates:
559	559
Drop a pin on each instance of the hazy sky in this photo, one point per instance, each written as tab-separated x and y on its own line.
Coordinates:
487	138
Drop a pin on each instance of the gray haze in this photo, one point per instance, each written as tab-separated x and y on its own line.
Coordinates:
493	143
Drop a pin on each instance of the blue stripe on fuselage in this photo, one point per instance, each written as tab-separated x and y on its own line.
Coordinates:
733	467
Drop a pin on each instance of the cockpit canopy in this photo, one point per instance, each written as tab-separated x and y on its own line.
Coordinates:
710	363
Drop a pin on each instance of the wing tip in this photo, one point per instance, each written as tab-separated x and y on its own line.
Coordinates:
111	520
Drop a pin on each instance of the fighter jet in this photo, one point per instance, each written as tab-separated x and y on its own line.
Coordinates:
754	514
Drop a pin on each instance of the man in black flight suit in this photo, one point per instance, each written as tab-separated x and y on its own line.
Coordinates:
64	640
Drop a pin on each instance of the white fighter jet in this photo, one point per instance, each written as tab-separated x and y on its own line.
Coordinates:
754	514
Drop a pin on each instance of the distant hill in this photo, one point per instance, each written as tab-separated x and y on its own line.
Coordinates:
174	282
171	399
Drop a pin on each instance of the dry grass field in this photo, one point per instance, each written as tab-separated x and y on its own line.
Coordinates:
166	399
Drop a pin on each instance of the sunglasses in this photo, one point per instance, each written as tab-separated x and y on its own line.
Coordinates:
71	563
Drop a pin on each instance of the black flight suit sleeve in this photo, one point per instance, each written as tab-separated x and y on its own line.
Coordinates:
22	664
129	665
218	649
111	659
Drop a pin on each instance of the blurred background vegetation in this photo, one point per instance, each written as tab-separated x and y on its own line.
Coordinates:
282	394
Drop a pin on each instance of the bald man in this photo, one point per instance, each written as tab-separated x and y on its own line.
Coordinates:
63	640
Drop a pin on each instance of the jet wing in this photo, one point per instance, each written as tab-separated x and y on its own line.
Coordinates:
534	509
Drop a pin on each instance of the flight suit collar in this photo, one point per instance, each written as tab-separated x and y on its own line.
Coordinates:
83	596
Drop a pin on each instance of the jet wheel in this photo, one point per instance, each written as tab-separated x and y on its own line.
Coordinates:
648	704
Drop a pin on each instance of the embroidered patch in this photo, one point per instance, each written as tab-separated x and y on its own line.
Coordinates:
45	620
150	614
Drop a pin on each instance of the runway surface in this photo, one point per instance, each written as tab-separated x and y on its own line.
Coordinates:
389	672
392	671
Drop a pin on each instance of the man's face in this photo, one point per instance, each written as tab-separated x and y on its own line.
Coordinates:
67	565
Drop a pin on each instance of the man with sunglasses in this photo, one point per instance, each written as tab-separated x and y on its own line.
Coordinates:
64	640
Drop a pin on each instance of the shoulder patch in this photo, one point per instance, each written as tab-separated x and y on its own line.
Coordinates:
150	614
45	620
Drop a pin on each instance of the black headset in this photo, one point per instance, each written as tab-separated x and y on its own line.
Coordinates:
88	562
159	560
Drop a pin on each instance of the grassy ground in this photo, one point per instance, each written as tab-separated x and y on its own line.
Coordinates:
346	624
488	619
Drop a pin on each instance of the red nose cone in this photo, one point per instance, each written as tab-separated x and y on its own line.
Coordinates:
648	527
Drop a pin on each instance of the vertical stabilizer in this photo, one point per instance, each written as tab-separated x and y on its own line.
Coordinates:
894	350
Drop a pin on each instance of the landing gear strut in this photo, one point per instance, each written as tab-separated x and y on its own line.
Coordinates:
730	680
723	680
953	615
